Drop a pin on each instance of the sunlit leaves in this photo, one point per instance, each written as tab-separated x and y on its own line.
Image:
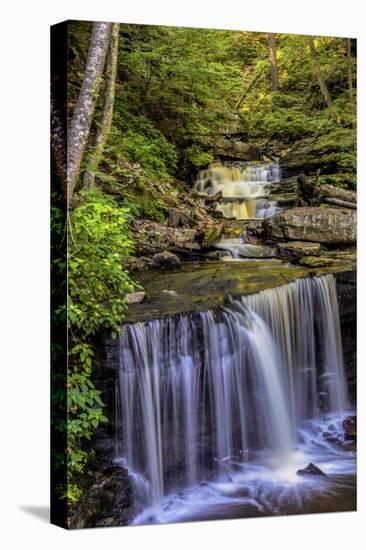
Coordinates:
98	245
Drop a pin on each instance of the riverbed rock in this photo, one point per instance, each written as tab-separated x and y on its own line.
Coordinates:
135	297
139	264
297	249
310	470
314	224
350	427
254	232
312	261
165	260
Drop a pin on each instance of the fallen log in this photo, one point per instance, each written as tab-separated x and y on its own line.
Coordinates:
312	193
207	198
339	202
327	190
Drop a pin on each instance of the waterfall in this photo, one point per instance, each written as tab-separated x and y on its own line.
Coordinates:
236	248
203	392
245	188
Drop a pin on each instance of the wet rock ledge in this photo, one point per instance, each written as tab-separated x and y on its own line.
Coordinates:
201	285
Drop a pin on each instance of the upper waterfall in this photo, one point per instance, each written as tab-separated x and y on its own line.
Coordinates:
245	188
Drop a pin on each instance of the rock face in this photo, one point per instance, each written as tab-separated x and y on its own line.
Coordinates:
350	427
347	295
297	249
232	149
310	470
107	502
320	225
326	152
165	260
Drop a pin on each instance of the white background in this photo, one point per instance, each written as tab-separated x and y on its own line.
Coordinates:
24	397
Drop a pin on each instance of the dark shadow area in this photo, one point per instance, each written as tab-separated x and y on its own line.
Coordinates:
40	512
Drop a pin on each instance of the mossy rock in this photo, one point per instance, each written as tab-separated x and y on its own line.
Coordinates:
199	286
312	261
212	235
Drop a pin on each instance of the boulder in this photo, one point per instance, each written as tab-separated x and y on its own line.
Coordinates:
171	293
139	264
165	260
254	232
135	297
313	224
297	249
310	470
350	427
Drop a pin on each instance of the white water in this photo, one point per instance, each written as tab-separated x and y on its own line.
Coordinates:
237	248
245	188
234	399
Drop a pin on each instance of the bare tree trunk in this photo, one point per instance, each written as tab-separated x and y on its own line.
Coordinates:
273	61
79	128
319	74
106	122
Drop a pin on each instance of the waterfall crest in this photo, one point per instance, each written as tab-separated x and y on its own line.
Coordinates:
199	393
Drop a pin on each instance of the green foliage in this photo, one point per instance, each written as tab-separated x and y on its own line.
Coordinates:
156	155
143	204
99	243
282	116
84	405
136	139
178	89
198	157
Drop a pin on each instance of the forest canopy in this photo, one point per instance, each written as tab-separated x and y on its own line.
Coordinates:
178	88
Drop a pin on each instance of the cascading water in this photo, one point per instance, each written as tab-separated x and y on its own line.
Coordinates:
236	248
245	188
213	405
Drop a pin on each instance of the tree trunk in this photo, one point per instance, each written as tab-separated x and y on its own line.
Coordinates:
106	122
83	114
273	62
319	74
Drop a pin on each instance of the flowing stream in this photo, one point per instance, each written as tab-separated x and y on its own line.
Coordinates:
245	188
217	410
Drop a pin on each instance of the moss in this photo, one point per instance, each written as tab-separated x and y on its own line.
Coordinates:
200	286
212	235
